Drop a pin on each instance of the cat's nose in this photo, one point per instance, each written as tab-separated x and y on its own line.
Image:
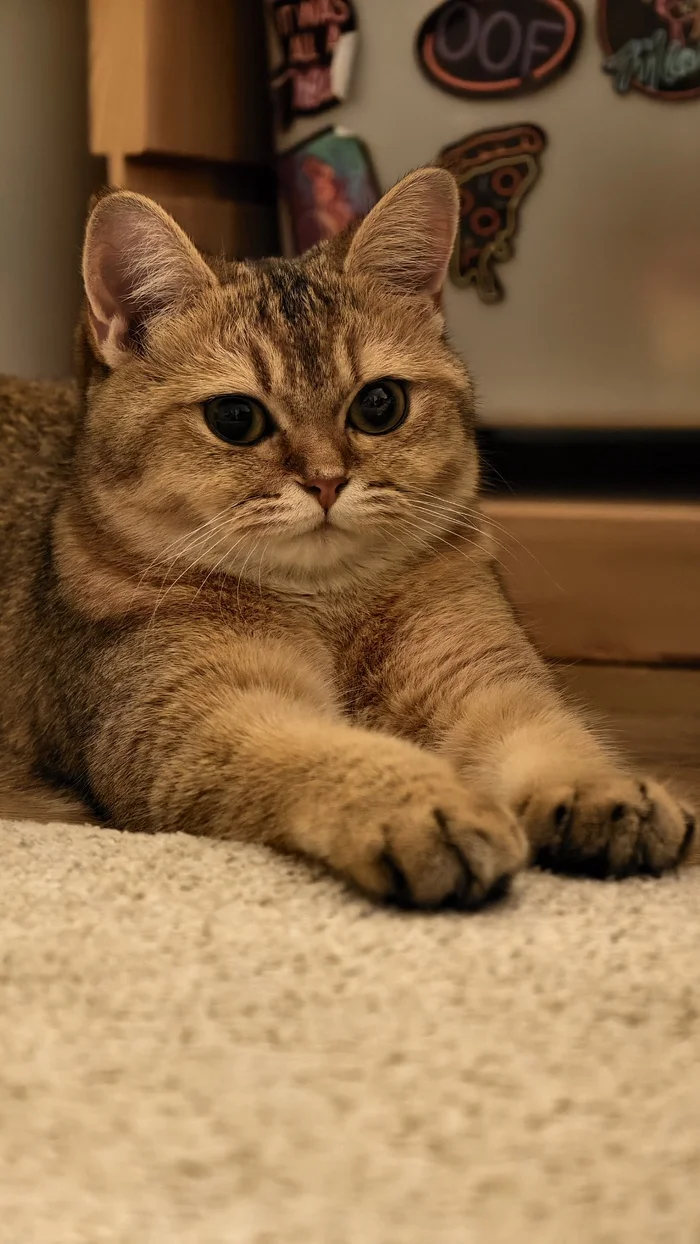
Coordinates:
325	490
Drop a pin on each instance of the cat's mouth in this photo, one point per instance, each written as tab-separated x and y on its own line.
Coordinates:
325	529
322	530
325	524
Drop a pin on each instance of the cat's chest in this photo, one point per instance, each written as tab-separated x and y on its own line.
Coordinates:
360	635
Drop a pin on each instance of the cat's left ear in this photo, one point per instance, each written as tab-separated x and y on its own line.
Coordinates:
137	265
406	241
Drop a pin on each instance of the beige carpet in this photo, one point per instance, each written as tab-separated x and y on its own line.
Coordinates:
203	1044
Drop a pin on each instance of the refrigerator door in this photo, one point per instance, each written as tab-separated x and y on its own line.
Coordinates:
600	323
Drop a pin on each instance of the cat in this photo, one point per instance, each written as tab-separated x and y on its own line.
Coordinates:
246	590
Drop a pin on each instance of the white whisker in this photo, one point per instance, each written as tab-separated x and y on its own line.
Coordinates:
162	596
241	572
386	529
207	550
433	535
491	522
224	557
455	521
443	512
161	558
260	566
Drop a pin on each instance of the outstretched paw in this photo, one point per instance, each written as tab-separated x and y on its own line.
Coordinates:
406	830
607	826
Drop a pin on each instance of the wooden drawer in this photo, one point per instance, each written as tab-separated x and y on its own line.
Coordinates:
179	110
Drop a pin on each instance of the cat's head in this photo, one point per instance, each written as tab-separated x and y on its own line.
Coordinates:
294	417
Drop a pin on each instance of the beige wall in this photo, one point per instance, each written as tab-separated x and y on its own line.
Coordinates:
44	172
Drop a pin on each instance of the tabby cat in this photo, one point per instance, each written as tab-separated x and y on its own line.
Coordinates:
246	590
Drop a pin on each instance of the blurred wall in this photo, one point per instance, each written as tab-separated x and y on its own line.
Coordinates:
45	181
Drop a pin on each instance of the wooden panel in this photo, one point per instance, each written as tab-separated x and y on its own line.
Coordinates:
179	77
219	226
611	581
118	104
207	79
654	713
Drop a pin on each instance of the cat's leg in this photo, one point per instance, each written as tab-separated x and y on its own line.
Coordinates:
489	703
241	739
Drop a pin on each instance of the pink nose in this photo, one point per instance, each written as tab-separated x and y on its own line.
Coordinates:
325	490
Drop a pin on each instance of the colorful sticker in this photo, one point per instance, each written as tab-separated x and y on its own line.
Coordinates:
318	43
652	46
486	49
495	170
327	182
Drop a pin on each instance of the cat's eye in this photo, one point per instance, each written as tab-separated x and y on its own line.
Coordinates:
379	408
237	419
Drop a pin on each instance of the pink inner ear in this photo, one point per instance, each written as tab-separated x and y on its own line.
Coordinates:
136	262
103	288
113	290
101	328
111	304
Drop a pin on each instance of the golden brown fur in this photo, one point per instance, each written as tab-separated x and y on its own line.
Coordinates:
189	641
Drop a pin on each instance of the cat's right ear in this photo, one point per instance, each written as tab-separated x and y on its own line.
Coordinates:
137	264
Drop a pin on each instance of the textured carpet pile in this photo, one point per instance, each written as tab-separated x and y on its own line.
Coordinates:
201	1043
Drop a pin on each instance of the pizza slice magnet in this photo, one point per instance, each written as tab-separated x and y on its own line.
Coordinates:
495	170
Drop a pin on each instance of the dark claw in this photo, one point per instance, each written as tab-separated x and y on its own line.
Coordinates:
463	901
500	889
562	816
688	836
460	895
400	890
648	803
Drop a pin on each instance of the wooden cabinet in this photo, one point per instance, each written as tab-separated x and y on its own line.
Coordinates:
613	581
179	109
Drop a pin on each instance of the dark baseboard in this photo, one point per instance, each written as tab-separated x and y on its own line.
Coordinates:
639	464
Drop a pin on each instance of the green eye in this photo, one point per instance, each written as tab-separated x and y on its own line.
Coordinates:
379	407
236	419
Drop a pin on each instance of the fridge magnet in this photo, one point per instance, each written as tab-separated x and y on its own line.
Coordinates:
494	170
652	46
327	182
318	42
487	49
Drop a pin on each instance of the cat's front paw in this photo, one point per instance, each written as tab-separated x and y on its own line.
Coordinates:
406	830
607	825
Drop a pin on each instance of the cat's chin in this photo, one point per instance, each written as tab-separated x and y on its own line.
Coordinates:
324	545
